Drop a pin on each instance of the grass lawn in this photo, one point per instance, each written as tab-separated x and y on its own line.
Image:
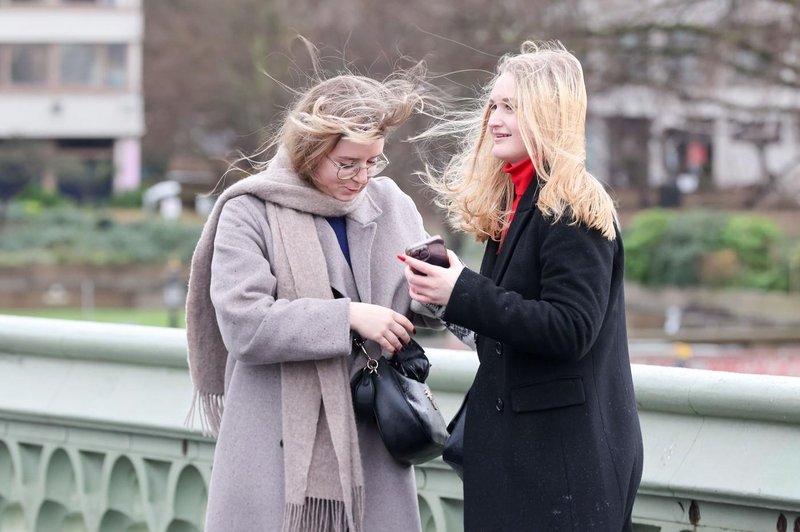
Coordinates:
155	317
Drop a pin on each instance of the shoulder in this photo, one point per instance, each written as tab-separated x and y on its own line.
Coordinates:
383	186
244	208
243	202
570	233
385	192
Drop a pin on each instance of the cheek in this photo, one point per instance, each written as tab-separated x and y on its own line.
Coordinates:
324	178
327	186
323	174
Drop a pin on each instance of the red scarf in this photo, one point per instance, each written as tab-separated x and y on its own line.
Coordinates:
522	174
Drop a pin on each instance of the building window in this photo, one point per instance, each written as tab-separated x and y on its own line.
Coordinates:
90	65
69	66
28	64
116	66
59	2
79	65
629	161
687	54
688	154
750	64
79	3
633	56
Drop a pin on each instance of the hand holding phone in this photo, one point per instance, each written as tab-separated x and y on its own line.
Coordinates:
431	250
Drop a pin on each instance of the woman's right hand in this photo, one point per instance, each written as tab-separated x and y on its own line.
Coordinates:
390	329
436	283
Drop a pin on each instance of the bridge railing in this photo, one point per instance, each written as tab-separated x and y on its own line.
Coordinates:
92	438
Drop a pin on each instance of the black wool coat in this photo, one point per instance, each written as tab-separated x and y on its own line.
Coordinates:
552	439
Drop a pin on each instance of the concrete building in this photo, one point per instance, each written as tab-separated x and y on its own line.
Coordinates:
691	110
71	85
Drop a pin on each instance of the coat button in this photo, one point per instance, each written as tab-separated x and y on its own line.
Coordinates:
498	348
499	405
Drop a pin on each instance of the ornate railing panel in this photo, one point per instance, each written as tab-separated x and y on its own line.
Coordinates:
92	438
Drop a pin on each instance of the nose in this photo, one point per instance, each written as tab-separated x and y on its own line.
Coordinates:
361	176
493	120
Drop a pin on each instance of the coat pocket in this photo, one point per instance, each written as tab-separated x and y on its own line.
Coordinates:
548	395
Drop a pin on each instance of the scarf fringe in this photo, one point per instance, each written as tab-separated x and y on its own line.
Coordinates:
209	407
324	515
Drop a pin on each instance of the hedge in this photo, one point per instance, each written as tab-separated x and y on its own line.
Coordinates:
65	234
710	248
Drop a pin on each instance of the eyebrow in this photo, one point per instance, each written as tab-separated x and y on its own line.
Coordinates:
353	159
505	100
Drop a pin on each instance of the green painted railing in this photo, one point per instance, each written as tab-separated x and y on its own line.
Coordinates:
92	438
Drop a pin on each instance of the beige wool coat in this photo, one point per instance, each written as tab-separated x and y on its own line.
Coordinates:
246	491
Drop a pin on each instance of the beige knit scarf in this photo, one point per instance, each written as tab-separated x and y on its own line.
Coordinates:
322	463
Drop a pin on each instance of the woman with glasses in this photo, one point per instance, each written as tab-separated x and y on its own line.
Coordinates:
551	433
292	263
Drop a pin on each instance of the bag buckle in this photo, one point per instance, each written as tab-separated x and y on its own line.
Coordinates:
372	366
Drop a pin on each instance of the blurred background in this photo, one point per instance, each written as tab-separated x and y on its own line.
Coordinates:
118	118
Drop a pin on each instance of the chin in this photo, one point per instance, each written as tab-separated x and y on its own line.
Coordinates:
346	195
498	154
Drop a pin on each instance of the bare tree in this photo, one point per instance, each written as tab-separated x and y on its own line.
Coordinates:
205	61
214	71
742	57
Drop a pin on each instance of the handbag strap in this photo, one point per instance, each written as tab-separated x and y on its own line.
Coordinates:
358	344
358	341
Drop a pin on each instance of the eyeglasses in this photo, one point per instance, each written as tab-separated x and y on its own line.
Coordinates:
345	171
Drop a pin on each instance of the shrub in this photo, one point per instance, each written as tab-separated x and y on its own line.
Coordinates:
706	248
36	195
66	234
20	165
689	237
793	267
720	268
756	242
641	237
84	179
752	237
127	199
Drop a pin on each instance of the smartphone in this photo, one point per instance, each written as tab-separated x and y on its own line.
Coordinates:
431	250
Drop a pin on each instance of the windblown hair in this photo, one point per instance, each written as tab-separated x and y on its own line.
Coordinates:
550	106
347	106
356	108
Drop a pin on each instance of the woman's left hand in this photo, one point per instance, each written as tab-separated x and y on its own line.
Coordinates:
437	283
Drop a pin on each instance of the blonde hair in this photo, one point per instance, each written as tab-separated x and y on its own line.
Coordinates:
551	113
347	106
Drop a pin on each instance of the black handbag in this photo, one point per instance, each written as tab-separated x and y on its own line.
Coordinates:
394	393
453	452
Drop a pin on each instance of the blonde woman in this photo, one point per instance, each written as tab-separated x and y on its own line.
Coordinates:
552	439
292	262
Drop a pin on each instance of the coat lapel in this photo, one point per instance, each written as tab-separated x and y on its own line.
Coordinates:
339	274
521	219
489	258
361	227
